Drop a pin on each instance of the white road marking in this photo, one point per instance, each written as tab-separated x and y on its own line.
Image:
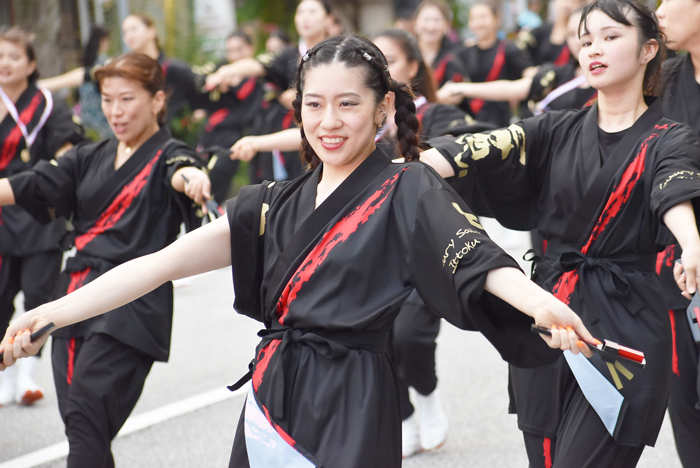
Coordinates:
133	424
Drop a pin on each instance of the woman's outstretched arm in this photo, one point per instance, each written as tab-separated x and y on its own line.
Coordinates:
204	249
680	219
513	287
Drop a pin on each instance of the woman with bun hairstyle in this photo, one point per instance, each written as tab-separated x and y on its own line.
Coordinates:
127	197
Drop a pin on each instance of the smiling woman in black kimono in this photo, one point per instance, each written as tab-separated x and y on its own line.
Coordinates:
599	184
325	262
125	198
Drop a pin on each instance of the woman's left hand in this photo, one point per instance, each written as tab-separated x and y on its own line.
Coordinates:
687	274
194	183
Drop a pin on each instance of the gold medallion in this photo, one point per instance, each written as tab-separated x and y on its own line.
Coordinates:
25	155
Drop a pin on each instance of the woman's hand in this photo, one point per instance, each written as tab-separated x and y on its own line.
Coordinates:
245	148
194	183
450	94
17	342
511	285
567	329
224	78
680	219
687	272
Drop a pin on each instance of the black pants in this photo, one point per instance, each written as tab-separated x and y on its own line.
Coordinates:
413	347
582	441
683	404
98	382
35	275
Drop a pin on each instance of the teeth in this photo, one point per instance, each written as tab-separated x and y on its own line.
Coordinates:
595	67
332	141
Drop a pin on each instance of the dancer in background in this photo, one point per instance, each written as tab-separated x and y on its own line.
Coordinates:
127	197
90	105
601	184
230	114
432	26
548	43
490	59
33	127
678	20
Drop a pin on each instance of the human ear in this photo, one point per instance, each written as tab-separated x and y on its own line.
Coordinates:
413	69
649	51
31	68
158	102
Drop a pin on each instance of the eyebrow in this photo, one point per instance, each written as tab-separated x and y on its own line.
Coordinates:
339	95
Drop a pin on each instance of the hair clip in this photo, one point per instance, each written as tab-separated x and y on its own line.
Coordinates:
366	56
305	57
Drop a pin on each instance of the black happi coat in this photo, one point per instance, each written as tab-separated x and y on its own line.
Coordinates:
681	102
20	234
327	283
118	215
535	174
538	45
447	66
281	68
182	84
231	113
479	62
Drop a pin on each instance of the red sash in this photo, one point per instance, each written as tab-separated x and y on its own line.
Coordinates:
476	104
563	56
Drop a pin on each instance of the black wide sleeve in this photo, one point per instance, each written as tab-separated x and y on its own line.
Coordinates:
505	165
246	215
48	190
179	155
677	172
450	258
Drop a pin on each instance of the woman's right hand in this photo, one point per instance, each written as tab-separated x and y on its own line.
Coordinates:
17	342
245	149
566	326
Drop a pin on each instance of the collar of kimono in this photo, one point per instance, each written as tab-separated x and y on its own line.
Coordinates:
12	110
337	203
579	226
104	194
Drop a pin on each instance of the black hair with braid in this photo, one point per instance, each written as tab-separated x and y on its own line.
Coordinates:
358	52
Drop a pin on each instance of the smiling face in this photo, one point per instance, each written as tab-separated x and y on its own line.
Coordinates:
611	56
400	68
137	35
311	20
483	22
340	115
15	66
431	26
130	109
679	20
237	48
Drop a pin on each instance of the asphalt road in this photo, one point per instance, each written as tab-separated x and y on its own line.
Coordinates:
211	348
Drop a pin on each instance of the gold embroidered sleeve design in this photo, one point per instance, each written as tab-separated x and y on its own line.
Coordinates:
481	145
680	175
180	158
